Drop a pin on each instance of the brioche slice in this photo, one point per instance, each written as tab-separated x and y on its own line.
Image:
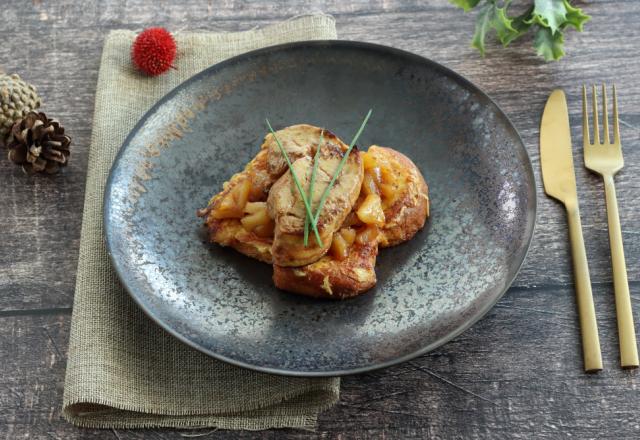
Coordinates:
392	206
330	277
403	191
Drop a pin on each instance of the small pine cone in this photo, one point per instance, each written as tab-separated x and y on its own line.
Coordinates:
17	98
38	144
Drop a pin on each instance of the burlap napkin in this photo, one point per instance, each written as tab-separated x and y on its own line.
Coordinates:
123	371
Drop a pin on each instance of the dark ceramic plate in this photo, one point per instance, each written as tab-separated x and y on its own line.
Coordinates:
429	289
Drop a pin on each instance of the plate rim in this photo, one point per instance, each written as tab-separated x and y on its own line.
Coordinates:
475	317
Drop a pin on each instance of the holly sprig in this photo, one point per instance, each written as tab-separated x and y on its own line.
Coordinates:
547	18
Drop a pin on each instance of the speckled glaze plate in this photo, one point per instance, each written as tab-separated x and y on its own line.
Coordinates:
483	206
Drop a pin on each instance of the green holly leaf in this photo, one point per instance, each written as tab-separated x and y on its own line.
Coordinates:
549	45
467	5
502	24
550	18
483	22
575	17
520	24
549	13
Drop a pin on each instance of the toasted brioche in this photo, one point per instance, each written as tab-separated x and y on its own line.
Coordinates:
229	231
408	211
330	278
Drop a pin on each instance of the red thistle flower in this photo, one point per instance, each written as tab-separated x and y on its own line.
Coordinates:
154	51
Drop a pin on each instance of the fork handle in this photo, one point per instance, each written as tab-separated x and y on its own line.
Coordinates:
584	298
626	328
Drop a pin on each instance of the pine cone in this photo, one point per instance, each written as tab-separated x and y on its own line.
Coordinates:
38	144
17	98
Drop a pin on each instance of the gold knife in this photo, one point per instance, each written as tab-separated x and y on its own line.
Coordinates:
556	159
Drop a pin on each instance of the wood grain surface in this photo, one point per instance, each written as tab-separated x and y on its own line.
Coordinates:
515	374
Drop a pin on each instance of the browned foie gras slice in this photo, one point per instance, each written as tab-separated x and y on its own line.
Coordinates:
287	209
233	217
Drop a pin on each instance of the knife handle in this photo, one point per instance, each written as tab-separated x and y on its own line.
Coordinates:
626	328
584	298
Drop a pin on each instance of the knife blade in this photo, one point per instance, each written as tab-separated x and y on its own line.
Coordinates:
559	179
556	157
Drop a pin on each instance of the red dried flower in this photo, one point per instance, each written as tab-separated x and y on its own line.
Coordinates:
153	51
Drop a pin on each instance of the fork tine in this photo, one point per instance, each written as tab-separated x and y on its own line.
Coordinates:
605	116
585	118
596	128
616	122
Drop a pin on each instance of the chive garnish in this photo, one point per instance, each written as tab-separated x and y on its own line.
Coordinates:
309	218
314	222
316	160
297	182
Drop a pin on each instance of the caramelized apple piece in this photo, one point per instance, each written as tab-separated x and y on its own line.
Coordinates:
369	185
265	231
370	211
258	220
368	234
387	174
252	221
339	247
388	191
253	207
349	235
368	161
376	174
342	241
233	203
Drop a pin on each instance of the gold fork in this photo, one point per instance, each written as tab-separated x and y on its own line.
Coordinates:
605	158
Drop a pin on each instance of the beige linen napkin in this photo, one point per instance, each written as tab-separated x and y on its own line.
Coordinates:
123	371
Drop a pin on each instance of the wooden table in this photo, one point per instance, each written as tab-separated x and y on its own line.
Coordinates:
516	374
